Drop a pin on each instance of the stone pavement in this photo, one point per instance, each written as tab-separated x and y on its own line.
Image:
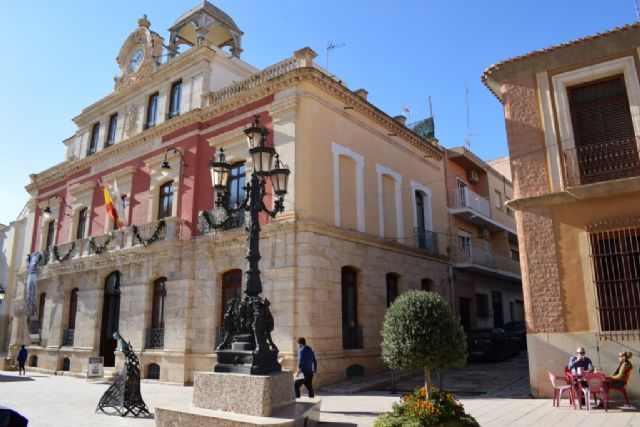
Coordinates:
496	394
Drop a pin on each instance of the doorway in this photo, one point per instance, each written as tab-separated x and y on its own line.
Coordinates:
496	305
465	313
110	318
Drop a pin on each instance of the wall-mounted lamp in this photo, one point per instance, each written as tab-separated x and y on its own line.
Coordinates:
46	212
165	167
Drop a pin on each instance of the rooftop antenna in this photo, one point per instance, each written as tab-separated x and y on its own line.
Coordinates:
469	133
331	46
637	11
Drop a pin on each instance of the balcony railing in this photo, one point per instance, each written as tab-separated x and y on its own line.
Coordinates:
473	254
352	337
206	226
67	337
605	161
465	198
125	238
155	338
426	239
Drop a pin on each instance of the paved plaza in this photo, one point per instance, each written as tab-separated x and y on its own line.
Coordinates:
496	394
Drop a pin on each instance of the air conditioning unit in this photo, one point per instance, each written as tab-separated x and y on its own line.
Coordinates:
484	233
473	175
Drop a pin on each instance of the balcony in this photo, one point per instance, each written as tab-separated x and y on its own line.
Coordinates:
144	235
67	337
465	199
601	162
475	209
209	222
478	258
155	338
425	239
352	337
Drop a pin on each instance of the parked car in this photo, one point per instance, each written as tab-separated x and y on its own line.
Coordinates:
518	332
490	344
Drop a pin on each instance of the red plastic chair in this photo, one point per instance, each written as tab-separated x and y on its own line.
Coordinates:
595	387
619	389
559	388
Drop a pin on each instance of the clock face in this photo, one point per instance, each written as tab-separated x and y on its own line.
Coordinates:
136	60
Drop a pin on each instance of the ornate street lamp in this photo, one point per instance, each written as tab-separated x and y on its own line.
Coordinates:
165	167
247	346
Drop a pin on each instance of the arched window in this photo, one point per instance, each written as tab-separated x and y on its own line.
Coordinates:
82	223
426	285
73	308
157	312
34	361
165	203
43	297
231	288
392	288
351	331
153	371
66	364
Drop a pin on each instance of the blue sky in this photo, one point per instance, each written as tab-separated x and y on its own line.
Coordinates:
58	58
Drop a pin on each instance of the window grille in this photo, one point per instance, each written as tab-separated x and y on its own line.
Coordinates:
615	260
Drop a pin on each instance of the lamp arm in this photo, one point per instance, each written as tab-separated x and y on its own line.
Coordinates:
278	206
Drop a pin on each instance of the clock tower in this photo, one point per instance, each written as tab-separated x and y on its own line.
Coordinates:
140	54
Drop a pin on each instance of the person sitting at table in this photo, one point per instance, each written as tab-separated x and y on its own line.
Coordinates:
580	361
618	377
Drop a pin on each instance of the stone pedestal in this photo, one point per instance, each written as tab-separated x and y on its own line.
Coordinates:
222	399
259	395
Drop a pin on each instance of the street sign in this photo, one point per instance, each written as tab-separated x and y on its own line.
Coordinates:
95	367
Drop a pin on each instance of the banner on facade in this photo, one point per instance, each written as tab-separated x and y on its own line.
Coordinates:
32	316
95	368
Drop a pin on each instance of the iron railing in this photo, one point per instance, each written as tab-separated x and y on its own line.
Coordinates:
352	337
601	162
67	337
465	198
115	240
155	338
474	254
236	220
425	239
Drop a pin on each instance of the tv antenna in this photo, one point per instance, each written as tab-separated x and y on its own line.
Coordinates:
469	133
331	46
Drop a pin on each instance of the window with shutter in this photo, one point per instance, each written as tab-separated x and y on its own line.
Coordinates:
605	145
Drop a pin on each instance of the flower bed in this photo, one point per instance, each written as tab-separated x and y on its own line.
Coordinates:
415	411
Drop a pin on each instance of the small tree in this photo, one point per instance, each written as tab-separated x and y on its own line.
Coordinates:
420	332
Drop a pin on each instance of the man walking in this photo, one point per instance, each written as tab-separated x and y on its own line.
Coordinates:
22	358
307	365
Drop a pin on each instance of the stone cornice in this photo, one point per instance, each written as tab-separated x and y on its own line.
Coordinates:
291	78
337	90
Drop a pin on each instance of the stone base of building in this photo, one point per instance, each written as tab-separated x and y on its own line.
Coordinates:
224	399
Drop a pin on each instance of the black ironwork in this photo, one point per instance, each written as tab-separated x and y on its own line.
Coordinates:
123	396
247	346
67	337
352	337
426	239
155	338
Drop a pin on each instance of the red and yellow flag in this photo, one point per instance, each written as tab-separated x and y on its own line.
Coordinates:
110	207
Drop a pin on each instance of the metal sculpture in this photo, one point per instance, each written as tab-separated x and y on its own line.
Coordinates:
123	396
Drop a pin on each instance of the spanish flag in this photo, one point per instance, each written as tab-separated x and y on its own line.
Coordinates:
111	209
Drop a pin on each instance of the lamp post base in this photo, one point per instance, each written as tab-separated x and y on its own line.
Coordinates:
247	347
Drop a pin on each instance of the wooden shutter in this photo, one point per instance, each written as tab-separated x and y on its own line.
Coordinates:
600	112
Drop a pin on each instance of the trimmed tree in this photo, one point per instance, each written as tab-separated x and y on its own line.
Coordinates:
421	332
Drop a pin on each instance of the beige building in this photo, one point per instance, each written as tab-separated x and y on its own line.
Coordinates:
364	191
573	117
